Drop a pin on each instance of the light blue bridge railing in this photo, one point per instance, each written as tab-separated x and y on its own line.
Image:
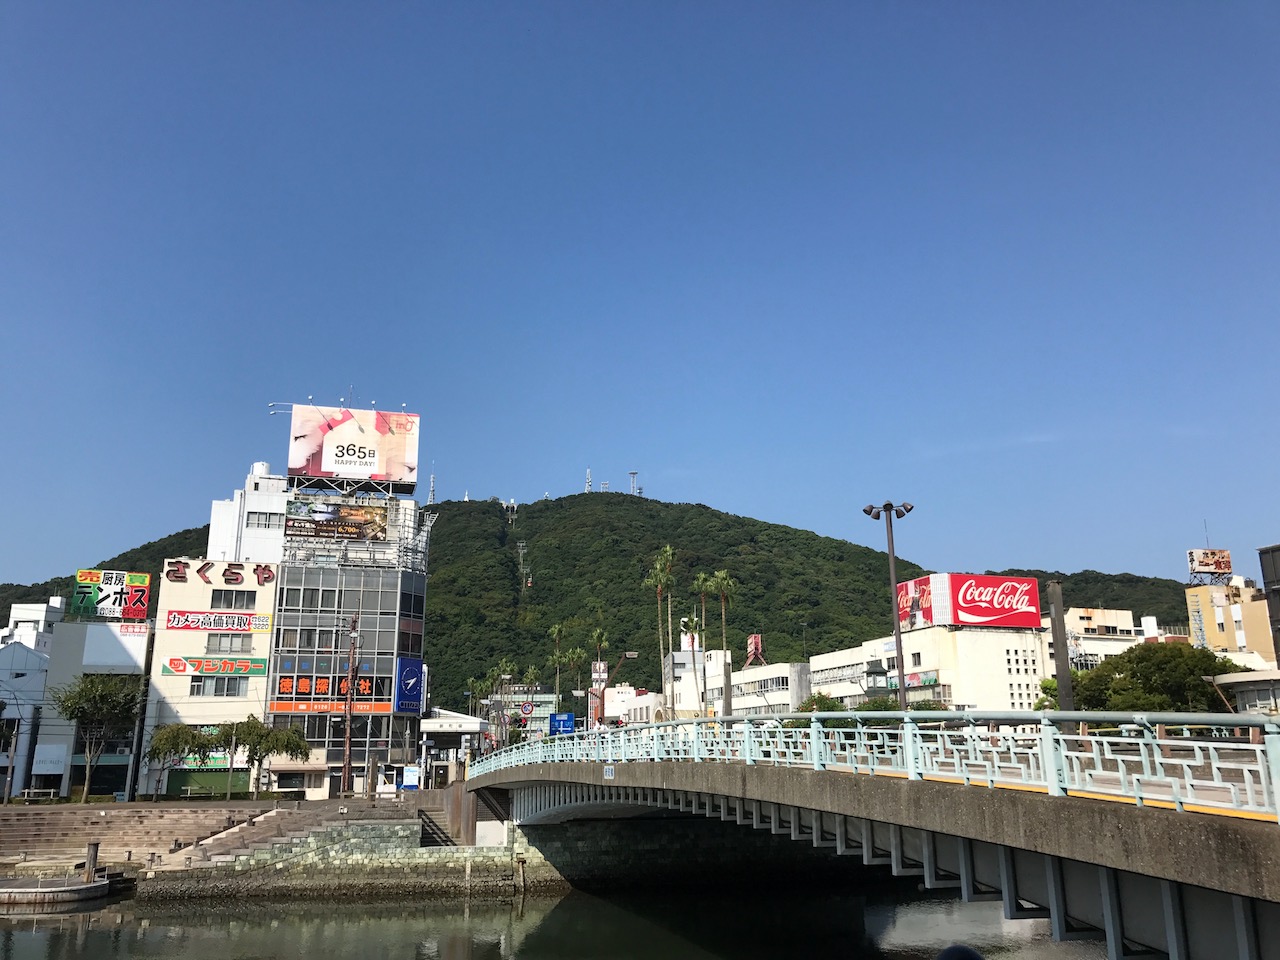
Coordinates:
1205	763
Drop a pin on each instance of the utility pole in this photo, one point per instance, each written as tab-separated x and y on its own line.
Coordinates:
354	636
13	755
231	758
1061	653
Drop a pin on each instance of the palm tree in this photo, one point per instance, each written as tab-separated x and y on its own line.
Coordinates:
556	632
654	581
726	586
702	585
475	689
600	639
667	557
695	633
574	658
662	580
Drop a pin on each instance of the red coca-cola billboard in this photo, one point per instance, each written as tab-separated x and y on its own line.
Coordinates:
915	603
982	601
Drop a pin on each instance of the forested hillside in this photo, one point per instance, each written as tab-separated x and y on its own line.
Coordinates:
1144	596
587	557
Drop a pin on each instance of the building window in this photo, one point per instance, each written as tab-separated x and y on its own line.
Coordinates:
915	659
1222	627
229	643
257	520
219	686
234	600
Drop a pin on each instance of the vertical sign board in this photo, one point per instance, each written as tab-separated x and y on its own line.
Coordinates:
409	685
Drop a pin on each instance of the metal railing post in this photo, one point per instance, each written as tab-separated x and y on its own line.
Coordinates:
697	742
1271	745
911	748
1051	763
748	753
816	743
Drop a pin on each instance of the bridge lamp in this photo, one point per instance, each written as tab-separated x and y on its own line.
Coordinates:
890	510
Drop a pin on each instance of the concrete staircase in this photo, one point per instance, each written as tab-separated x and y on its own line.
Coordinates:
276	830
133	832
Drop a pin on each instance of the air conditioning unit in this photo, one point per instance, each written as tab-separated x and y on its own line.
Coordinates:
122	751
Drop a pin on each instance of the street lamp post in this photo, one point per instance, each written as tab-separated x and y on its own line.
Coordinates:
890	510
354	638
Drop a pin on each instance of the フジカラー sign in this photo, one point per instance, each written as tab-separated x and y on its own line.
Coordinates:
353	444
218	621
114	594
215	666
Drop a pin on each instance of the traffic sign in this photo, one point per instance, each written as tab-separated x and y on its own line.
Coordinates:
526	708
561	723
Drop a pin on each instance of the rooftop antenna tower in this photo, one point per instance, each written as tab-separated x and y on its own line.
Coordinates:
634	488
588	490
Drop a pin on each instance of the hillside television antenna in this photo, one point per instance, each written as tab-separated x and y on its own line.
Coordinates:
588	490
633	474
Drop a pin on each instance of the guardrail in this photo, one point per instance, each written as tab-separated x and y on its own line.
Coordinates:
1205	763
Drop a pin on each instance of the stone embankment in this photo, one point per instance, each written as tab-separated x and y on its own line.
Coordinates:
361	857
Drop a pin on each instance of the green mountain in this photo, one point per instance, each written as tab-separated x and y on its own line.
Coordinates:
1145	596
586	557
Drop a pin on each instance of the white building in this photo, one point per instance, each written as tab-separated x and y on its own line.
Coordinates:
31	624
964	668
250	526
23	675
79	649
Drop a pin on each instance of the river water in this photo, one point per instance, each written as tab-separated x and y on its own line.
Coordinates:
688	926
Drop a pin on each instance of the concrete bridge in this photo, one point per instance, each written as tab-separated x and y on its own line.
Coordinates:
1157	832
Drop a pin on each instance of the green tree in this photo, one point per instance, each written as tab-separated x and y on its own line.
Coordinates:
922	706
600	640
661	580
725	586
259	741
574	658
103	707
557	634
822	703
695	631
880	704
171	744
1155	677
532	676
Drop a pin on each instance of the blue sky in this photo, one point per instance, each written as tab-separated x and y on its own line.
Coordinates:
1015	263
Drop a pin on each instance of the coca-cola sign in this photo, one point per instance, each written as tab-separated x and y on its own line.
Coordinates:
983	601
915	603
